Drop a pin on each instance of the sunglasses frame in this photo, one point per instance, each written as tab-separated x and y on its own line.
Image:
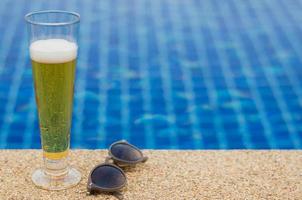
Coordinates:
117	164
122	162
92	187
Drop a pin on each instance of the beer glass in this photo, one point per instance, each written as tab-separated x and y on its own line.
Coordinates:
53	52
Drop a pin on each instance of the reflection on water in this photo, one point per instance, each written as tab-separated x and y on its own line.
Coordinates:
154	119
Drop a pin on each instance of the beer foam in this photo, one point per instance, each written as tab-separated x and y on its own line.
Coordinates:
53	51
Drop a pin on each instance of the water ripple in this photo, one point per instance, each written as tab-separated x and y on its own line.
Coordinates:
154	119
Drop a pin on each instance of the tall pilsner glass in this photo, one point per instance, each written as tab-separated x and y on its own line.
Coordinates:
53	52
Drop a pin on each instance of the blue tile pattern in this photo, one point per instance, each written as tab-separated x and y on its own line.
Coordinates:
173	74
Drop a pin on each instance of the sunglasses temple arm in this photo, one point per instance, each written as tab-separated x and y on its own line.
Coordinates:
109	159
145	158
118	195
90	187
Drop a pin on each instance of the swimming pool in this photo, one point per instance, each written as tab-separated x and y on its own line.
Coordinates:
167	74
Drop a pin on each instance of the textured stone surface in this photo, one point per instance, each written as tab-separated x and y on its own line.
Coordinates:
170	175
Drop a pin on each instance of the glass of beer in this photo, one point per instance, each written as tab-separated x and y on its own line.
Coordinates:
53	52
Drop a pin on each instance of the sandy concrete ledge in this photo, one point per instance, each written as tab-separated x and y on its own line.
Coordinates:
170	175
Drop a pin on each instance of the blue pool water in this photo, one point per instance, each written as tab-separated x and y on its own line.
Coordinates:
179	74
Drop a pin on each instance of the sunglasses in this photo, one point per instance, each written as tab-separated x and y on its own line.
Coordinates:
109	177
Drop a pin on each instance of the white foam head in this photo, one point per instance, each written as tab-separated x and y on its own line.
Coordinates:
53	51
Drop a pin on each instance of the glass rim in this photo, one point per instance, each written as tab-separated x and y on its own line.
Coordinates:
70	22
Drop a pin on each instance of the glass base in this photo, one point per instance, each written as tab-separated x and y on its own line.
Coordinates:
47	182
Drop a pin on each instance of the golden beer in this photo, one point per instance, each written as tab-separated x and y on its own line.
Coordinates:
54	97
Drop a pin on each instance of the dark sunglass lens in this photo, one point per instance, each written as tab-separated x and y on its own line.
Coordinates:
125	152
107	176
